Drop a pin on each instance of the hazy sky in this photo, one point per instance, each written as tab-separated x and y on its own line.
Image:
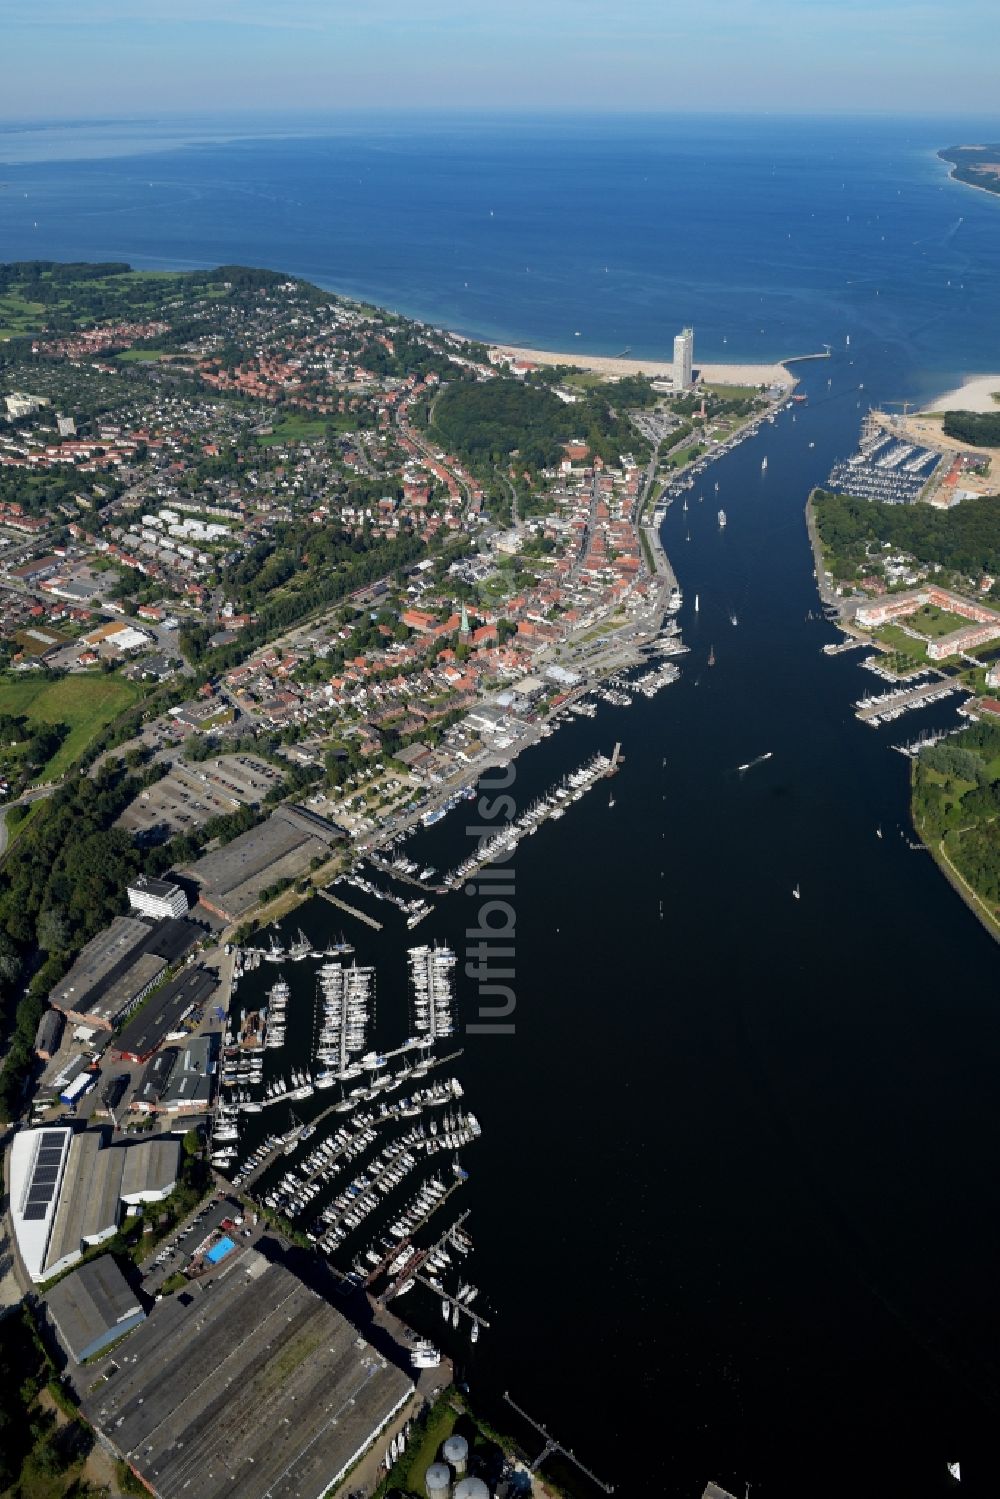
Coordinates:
99	58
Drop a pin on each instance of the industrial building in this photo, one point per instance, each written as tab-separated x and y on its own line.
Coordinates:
93	1307
150	1172
67	1189
252	1386
178	1080
118	967
152	1084
189	1086
48	1035
163	1018
156	898
231	878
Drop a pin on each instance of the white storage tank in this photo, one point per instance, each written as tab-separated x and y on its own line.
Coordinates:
470	1488
437	1481
456	1452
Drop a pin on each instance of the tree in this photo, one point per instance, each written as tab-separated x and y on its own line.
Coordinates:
53	930
10	960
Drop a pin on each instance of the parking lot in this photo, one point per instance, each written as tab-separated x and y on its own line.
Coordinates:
175	1252
190	794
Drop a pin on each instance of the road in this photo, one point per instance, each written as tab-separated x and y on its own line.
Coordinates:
37	794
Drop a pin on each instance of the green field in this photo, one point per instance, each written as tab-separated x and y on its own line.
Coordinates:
898	640
18	316
140	356
85	703
304	429
732	392
935	622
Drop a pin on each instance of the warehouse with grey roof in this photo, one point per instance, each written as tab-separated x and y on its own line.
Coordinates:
231	878
118	967
93	1307
162	1019
255	1387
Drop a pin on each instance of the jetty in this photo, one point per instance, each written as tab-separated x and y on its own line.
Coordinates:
351	910
890	705
552	1445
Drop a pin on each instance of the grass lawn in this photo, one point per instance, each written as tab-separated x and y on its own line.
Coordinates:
733	392
585	379
304	429
685	455
18	316
140	356
898	640
934	622
85	703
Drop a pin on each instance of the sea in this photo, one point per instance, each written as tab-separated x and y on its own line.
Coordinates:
735	1202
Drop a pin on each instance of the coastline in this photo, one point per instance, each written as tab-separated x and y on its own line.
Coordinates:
969	897
601	364
974	394
977	187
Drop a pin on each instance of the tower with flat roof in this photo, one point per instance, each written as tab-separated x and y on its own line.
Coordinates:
683	359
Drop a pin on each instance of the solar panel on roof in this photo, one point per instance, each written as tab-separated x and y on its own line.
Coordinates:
33	1212
49	1157
52	1137
41	1198
45	1174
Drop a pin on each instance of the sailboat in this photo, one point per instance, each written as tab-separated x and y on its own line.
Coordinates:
733	620
763	464
797	893
684	506
688	536
878	831
711	655
611	800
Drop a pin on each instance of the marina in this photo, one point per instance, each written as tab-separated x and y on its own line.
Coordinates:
884	468
889	706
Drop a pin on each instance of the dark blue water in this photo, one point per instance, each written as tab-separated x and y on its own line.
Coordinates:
769	236
735	1199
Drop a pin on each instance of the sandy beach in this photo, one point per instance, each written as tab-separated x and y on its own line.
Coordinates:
974	394
712	374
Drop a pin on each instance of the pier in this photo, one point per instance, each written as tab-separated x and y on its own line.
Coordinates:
890	705
852	643
552	1445
392	1290
351	910
335	1108
405	879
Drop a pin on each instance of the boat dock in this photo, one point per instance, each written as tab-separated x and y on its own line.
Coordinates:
392	1290
890	705
552	1445
850	644
405	879
351	910
258	1171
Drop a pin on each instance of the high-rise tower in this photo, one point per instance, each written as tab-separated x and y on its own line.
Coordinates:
683	358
